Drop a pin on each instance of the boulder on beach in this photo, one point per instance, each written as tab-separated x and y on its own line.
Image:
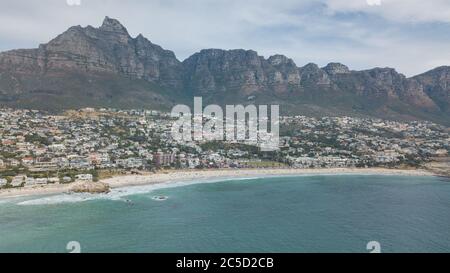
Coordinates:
90	187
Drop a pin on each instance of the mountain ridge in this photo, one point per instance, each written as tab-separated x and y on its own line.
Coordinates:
82	63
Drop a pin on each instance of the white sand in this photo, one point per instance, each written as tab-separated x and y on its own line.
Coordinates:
183	175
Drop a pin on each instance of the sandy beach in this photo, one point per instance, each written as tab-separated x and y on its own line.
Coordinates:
185	175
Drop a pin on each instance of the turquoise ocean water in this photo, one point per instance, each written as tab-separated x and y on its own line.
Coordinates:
275	214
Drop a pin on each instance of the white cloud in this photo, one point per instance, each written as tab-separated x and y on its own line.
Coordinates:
412	11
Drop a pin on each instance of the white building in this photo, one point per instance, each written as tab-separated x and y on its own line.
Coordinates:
85	177
67	179
18	180
30	181
53	180
3	182
41	181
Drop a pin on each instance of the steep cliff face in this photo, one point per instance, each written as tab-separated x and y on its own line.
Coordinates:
283	74
384	92
383	86
107	49
436	84
312	76
105	66
215	70
91	67
333	69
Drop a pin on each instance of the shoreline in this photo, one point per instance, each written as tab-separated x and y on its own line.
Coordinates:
189	175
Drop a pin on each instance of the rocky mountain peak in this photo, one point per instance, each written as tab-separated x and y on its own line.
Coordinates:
386	75
311	74
280	60
108	49
310	67
441	72
436	83
336	68
113	25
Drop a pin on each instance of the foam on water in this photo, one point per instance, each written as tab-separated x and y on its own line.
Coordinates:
119	193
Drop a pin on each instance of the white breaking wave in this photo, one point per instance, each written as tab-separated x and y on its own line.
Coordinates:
119	193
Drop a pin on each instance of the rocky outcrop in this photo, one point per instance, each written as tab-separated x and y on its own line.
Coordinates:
336	68
312	75
90	187
436	84
216	70
383	85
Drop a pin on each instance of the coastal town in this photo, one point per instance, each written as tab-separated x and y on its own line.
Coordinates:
39	148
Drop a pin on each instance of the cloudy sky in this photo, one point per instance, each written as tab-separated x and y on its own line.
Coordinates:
410	35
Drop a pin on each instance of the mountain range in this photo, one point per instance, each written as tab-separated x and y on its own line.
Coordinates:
106	67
